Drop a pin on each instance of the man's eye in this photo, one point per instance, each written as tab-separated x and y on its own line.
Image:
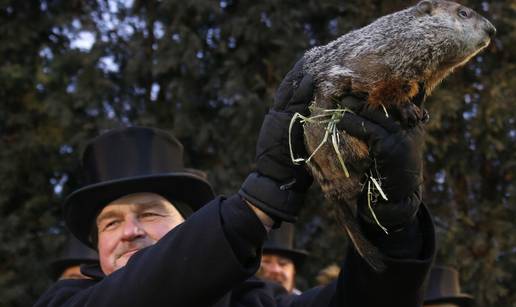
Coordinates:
110	225
283	262
149	214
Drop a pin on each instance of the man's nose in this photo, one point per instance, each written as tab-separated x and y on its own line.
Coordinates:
275	267
132	229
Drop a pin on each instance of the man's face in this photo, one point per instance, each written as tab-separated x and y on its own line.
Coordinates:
131	223
72	272
278	269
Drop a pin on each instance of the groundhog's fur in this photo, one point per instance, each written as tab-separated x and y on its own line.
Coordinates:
391	61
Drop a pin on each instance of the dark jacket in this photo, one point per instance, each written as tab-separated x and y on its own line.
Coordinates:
209	260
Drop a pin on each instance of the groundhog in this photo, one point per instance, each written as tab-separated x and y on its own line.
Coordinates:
392	62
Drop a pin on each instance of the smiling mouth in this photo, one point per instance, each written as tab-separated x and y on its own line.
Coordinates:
130	253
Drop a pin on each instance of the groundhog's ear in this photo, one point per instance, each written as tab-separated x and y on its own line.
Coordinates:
425	7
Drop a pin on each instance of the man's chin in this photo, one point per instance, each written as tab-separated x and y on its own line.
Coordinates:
284	284
122	261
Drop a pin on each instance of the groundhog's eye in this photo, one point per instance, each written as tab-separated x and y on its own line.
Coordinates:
464	13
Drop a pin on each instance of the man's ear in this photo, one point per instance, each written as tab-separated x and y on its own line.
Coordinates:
425	7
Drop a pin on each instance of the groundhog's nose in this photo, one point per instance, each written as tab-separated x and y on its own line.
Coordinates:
490	29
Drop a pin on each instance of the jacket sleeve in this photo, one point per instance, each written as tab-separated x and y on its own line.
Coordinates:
400	285
194	264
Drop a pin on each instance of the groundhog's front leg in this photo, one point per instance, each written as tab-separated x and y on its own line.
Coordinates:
408	114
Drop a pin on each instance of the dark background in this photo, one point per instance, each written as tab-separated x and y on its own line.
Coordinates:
207	71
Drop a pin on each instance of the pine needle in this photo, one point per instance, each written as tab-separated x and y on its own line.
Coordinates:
377	185
385	110
369	204
330	117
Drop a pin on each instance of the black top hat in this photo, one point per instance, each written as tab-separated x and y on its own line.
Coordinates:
443	287
74	252
132	160
281	242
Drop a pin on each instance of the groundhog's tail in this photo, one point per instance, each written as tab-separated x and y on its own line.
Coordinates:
365	249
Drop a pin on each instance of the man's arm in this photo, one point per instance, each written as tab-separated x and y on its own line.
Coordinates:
396	150
219	246
195	264
408	256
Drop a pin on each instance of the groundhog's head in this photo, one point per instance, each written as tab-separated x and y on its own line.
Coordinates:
399	54
462	30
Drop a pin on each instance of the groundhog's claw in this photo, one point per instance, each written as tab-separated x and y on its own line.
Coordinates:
410	115
426	116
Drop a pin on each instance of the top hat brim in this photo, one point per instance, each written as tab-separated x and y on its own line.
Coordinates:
82	206
298	256
462	300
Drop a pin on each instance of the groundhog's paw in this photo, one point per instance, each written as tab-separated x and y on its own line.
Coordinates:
354	103
425	116
410	114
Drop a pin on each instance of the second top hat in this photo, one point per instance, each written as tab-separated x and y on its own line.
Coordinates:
443	287
281	241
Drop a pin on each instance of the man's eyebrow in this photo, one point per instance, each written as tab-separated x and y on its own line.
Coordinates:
144	205
107	215
141	206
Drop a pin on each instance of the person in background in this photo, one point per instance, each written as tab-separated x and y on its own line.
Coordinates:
443	289
280	260
72	255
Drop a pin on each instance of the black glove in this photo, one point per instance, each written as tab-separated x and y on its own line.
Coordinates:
278	185
396	154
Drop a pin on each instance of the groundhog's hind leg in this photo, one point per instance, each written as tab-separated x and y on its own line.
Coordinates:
364	248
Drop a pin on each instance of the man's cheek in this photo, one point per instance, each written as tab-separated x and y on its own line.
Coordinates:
120	262
156	233
108	252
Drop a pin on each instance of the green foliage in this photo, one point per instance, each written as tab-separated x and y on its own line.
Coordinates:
207	71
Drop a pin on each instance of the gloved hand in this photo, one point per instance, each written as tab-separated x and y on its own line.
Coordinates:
278	186
397	161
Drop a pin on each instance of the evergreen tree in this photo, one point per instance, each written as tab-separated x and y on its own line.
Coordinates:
207	72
